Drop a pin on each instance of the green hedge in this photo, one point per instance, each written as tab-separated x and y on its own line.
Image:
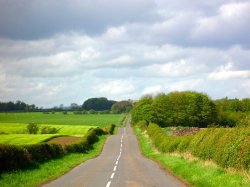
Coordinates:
13	157
227	147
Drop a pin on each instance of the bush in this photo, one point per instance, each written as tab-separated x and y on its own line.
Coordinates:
49	130
226	147
143	124
13	157
244	122
32	128
19	157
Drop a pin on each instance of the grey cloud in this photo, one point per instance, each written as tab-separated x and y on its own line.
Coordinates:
28	19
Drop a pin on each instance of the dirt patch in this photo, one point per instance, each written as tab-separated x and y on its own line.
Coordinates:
65	140
186	131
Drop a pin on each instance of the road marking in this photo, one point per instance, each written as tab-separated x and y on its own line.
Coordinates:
108	184
116	163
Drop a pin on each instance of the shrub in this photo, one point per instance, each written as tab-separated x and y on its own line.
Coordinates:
32	128
49	130
143	124
226	147
13	157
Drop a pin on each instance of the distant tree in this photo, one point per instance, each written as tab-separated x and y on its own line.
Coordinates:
18	106
33	128
121	107
61	106
75	106
93	111
98	104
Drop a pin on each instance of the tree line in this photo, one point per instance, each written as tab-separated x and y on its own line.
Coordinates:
103	104
188	109
17	106
92	105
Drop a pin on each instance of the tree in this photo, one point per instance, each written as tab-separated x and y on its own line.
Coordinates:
121	107
98	104
176	109
75	106
143	110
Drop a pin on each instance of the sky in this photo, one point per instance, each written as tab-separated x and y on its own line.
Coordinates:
56	52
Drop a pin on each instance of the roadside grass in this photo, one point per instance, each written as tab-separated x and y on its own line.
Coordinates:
59	118
49	170
195	172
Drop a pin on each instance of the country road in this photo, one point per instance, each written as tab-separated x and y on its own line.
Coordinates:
119	165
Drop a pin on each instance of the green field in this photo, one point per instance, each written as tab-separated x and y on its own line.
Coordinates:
59	118
13	125
49	170
20	128
16	133
25	139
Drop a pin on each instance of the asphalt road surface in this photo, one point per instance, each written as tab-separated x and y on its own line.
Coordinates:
119	165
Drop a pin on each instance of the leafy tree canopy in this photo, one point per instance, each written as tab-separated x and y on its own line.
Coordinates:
98	104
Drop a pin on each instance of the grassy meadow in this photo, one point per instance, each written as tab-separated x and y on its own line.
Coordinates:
59	118
13	126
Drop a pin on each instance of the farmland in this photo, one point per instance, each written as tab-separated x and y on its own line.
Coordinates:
61	119
13	126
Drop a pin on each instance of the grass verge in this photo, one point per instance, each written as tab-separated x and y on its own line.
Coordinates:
49	170
194	172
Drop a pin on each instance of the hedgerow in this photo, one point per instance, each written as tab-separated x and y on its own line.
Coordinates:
13	157
227	147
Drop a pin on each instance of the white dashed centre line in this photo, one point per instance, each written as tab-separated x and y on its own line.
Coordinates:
108	184
116	163
112	176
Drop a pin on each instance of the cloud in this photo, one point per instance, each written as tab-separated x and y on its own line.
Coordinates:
115	87
180	68
192	84
27	19
152	89
228	27
226	72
